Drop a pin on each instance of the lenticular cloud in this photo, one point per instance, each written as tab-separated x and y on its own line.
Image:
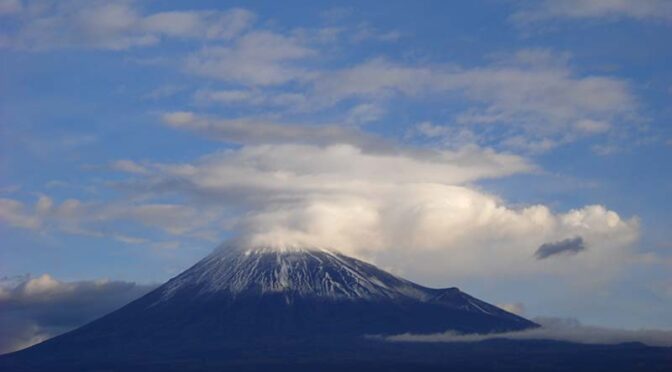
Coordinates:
398	208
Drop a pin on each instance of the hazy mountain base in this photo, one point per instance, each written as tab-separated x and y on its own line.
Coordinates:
368	355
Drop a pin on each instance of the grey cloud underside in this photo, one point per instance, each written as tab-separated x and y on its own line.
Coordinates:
567	246
251	131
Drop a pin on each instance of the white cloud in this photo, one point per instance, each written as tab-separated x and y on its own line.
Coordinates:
308	168
569	330
128	166
586	9
226	96
531	100
447	136
33	309
535	98
73	216
257	58
376	78
541	92
365	113
412	211
13	213
215	25
250	130
116	26
293	101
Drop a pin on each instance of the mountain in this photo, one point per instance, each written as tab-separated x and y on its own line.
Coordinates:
247	307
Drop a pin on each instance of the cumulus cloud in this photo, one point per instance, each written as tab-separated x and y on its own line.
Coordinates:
586	9
560	329
120	25
565	246
33	309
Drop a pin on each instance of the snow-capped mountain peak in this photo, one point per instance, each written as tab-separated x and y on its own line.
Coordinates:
308	272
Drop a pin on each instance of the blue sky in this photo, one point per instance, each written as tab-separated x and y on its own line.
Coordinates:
445	141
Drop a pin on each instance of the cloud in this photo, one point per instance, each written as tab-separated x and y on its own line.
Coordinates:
414	211
567	246
590	9
533	96
336	196
560	329
12	213
257	58
365	113
116	26
249	130
307	168
532	100
292	101
215	25
33	309
128	166
110	219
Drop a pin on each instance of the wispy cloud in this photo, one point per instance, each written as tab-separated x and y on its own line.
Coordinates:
243	97
529	100
120	25
257	58
560	329
109	219
537	11
250	130
532	96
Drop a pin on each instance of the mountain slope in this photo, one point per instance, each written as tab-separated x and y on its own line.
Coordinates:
238	300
